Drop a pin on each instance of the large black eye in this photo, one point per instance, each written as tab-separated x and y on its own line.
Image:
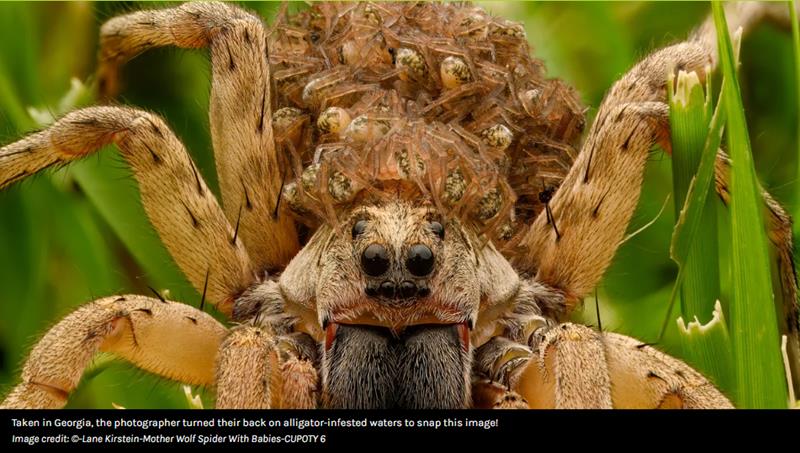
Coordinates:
437	229
375	260
420	260
359	227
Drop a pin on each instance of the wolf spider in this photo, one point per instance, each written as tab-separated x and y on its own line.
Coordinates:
405	220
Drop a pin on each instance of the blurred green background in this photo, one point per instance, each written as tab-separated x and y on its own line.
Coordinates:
77	234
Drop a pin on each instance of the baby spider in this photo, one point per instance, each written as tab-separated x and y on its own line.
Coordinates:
409	214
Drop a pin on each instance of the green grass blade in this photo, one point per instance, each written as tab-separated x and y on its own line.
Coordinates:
796	44
760	381
691	215
689	120
696	136
709	344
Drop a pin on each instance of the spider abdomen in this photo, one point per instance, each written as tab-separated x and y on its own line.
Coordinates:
442	96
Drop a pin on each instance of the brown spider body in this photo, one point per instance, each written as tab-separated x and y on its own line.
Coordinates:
398	145
451	222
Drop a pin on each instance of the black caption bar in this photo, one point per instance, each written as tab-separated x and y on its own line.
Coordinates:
79	430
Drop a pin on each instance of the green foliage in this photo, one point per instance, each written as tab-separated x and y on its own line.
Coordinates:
696	137
753	326
77	234
690	116
796	46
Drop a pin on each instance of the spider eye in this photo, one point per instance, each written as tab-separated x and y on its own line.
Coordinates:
359	227
437	229
420	260
375	260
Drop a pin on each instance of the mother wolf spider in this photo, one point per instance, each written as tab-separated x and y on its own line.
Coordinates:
405	219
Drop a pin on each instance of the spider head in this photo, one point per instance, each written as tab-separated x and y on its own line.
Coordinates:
396	289
397	264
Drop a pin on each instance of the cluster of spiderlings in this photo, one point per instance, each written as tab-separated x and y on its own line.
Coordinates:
418	99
